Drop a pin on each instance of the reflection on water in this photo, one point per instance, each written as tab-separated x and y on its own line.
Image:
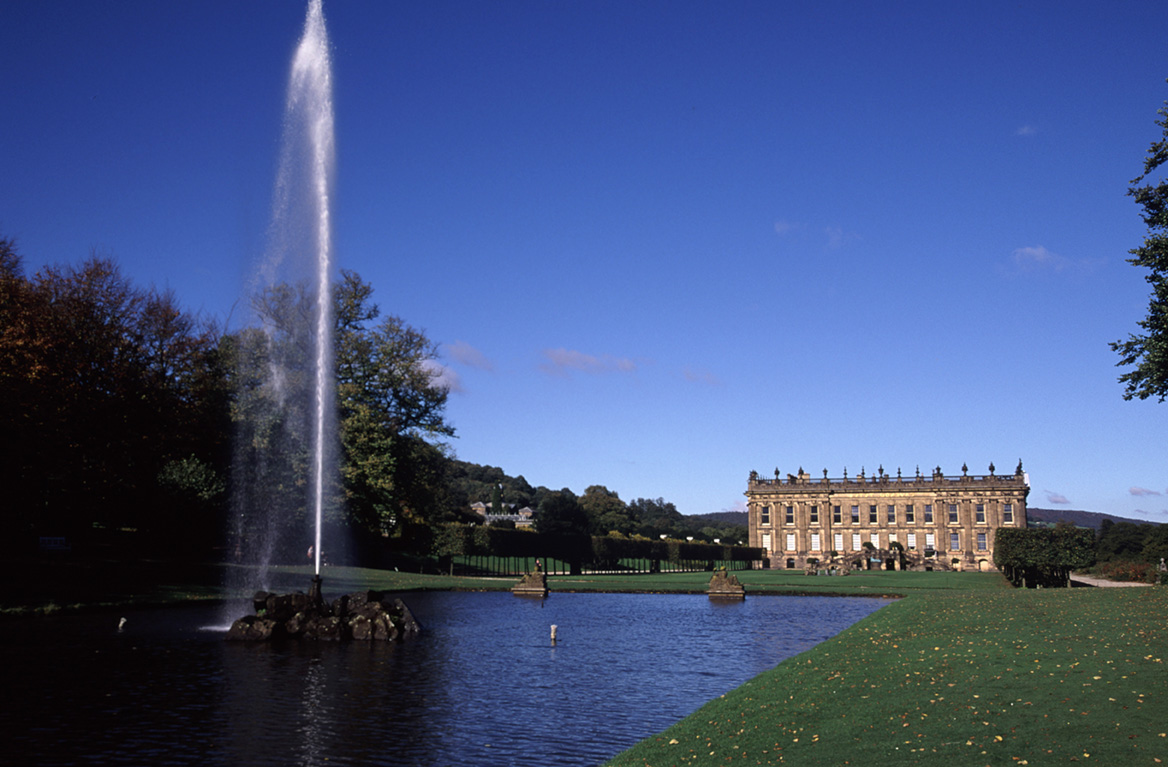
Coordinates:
483	686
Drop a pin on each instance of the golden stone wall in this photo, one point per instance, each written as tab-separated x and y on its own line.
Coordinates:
825	515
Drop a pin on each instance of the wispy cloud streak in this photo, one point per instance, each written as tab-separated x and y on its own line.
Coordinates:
561	361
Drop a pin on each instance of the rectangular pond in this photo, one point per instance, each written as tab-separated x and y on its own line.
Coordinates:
483	686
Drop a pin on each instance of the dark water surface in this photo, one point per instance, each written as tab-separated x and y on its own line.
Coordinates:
482	687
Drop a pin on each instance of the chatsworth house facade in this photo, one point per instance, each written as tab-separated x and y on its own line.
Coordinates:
919	522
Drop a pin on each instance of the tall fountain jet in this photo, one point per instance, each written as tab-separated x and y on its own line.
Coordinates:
307	163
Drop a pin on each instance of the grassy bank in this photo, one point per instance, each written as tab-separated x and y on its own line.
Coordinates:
977	677
864	583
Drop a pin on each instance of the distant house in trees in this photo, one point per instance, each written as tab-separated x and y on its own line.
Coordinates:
521	518
929	522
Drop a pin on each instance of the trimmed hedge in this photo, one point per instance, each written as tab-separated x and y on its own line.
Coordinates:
1032	557
483	540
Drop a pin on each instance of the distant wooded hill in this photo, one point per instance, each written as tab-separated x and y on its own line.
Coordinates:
718	518
1092	519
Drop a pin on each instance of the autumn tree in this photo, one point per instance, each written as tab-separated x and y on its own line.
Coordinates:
1148	350
106	387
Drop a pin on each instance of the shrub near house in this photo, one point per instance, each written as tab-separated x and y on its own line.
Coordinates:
1043	557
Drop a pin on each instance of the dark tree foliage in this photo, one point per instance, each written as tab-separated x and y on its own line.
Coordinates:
560	513
1031	557
390	413
1132	542
606	512
112	406
392	416
471	482
1148	350
656	517
272	407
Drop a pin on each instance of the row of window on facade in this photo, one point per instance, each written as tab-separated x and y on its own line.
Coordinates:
874	538
909	514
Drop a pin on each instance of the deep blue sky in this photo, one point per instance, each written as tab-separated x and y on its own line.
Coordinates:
661	243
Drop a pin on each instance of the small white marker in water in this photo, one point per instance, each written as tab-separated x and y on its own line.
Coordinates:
122	624
554	633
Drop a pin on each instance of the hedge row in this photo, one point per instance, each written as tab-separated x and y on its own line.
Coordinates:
483	540
1043	556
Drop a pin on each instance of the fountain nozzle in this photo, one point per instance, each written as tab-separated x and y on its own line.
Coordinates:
314	593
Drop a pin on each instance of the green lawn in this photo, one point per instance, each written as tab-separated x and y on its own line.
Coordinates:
977	677
863	583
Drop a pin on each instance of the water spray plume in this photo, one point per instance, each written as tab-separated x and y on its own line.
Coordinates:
310	94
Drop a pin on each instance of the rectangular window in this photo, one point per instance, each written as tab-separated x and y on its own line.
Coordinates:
910	517
790	541
928	513
981	541
856	545
1008	513
955	541
789	515
872	514
766	542
892	539
855	515
814	515
836	515
953	513
912	541
930	541
764	515
874	538
815	542
891	515
980	512
838	542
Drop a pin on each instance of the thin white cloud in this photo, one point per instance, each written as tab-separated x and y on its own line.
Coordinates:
697	375
1038	257
1053	497
783	226
464	353
443	377
837	237
1026	130
561	361
1142	491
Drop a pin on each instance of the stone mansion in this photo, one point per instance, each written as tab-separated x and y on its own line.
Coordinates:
939	522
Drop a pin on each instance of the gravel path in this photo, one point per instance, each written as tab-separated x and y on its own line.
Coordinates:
1090	580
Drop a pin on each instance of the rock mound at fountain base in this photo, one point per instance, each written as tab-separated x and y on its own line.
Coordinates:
362	616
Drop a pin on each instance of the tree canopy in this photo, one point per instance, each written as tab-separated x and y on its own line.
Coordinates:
390	414
111	402
121	412
1148	350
